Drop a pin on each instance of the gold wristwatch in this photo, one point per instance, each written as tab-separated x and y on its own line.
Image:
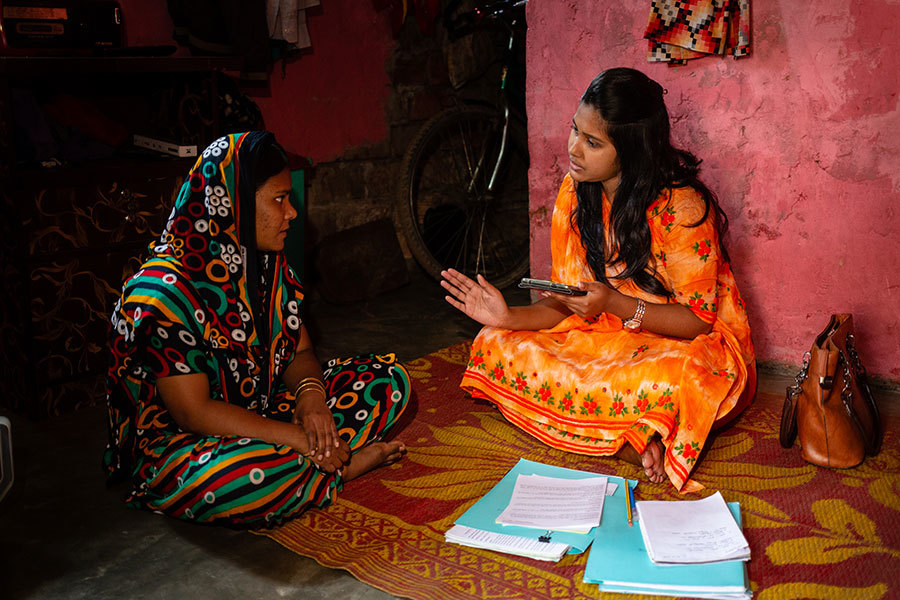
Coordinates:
634	323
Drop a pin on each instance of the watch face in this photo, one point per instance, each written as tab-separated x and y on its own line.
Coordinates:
631	324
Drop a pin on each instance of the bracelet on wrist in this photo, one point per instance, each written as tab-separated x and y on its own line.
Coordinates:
634	323
309	383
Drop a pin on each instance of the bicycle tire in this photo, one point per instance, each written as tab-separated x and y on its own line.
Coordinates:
446	215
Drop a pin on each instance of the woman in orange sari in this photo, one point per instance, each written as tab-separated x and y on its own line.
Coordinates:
657	352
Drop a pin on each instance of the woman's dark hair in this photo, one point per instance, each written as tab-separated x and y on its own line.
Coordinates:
631	104
270	160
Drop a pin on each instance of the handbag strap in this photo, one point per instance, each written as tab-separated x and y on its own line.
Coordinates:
851	360
788	432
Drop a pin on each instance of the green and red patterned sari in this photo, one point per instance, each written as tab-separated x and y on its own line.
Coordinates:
207	301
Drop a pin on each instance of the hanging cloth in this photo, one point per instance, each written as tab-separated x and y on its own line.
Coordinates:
679	30
287	21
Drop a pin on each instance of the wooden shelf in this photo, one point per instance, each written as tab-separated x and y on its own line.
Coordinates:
44	65
148	86
86	172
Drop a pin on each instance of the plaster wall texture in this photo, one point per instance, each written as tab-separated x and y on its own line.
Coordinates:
799	140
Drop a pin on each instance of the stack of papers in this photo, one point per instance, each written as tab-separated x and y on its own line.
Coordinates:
545	500
619	562
508	544
691	532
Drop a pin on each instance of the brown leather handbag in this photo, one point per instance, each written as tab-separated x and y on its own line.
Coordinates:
830	405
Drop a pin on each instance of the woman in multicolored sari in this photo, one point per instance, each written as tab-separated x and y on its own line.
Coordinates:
657	352
218	408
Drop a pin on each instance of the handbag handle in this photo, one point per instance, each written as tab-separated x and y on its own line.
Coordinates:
788	432
849	367
852	362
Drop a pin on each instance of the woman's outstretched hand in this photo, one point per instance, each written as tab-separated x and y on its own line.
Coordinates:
478	299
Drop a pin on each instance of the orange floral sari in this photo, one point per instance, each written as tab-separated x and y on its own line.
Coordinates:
589	385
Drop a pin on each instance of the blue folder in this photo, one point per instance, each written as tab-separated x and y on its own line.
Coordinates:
619	562
483	514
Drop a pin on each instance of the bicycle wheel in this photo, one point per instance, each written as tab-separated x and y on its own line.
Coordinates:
444	209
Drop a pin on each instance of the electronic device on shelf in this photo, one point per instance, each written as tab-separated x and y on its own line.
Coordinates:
165	146
59	27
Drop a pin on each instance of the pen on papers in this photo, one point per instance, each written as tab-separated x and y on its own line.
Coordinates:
628	503
634	503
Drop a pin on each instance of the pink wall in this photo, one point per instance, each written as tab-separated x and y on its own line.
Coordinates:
800	141
331	98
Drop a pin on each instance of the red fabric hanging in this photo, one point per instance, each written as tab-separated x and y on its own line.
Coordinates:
679	30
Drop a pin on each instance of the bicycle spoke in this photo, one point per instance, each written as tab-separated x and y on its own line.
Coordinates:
471	165
487	247
462	255
512	249
450	241
472	157
454	155
479	253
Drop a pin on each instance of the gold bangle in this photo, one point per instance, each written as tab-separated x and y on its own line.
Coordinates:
308	386
308	380
308	383
300	389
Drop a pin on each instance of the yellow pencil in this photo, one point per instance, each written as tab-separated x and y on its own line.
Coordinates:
628	502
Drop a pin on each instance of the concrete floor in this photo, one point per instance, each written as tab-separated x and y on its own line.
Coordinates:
63	534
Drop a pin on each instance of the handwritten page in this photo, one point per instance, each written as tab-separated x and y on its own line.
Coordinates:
698	531
509	544
555	504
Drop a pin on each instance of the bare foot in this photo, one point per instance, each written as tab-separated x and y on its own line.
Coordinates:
376	454
651	459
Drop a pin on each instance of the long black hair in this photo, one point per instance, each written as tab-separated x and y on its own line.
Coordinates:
637	123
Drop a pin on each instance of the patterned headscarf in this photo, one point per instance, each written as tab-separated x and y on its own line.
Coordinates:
207	300
211	236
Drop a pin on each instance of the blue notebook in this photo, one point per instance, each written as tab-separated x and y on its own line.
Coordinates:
618	562
483	514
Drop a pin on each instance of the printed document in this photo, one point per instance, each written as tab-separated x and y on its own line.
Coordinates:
510	544
555	504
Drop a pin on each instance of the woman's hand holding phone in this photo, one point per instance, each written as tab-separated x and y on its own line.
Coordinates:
551	286
594	298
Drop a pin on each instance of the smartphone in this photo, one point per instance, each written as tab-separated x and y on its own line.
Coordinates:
551	286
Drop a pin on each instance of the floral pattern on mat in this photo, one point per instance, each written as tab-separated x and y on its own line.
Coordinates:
813	532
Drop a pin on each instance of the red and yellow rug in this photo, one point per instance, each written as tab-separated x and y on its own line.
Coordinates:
813	532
